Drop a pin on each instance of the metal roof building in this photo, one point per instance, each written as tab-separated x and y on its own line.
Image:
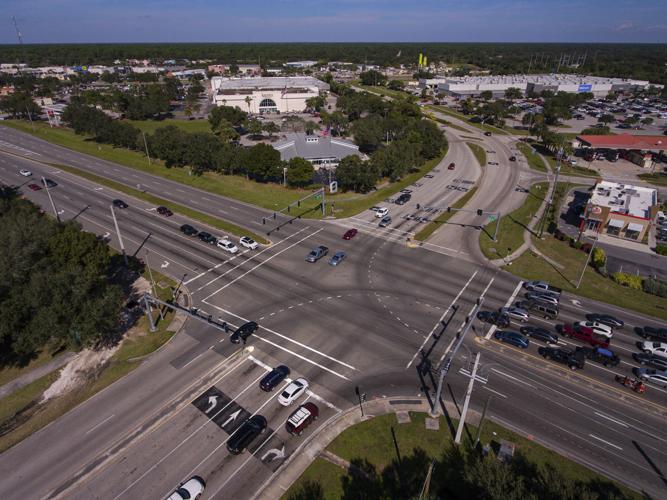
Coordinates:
321	151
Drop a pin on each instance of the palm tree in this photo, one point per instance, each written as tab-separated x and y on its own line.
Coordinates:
248	100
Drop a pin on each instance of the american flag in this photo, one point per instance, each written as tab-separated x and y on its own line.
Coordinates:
282	94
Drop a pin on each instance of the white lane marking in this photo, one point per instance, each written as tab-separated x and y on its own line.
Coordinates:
611	419
193	360
507	304
262	263
495	392
440	320
512	378
606	442
102	422
286	338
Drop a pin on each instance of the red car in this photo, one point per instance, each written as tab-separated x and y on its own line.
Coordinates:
585	334
351	233
451	166
35	187
164	211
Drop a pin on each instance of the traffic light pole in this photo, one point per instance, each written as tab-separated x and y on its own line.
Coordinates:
462	422
480	212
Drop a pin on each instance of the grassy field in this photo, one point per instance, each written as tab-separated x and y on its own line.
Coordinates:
384	91
566	168
534	160
594	286
9	373
21	416
444	216
373	441
479	153
447	124
482	126
659	179
512	226
175	207
149	126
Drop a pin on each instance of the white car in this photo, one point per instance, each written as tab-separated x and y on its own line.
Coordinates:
227	246
190	489
655	348
293	391
25	173
248	242
599	328
381	212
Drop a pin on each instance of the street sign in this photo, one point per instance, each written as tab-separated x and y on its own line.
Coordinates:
333	187
491	218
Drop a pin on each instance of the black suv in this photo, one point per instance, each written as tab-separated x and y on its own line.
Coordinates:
403	199
572	359
207	238
539	333
246	434
189	230
273	378
650	360
495	318
243	332
652	333
600	355
119	203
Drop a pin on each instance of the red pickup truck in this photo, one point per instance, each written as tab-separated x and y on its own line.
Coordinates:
585	334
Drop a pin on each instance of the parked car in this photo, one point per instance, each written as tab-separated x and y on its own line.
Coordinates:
34	187
539	333
246	434
227	246
381	212
541	286
243	332
385	221
585	334
248	242
337	258
652	333
573	359
349	234
655	348
301	418
317	253
292	392
494	318
598	328
188	230
512	338
164	211
207	238
272	379
600	355
188	490
118	203
658	377
515	313
25	173
605	319
650	360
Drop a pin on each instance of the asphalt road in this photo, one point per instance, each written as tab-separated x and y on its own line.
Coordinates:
369	323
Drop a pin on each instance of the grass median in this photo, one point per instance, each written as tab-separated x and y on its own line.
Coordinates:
156	200
432	226
658	179
22	413
479	153
534	160
512	225
482	126
391	460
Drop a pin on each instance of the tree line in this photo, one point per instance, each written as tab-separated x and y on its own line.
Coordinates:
56	290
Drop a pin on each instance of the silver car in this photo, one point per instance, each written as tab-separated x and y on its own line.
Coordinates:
516	313
658	377
337	258
385	221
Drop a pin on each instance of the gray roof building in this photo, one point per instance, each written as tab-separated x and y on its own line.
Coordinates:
320	150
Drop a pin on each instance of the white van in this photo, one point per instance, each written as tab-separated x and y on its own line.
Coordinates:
381	212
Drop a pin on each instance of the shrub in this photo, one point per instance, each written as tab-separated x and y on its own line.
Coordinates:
587	247
661	249
629	280
599	258
655	287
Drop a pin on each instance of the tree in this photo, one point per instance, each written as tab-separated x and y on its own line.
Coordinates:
486	95
200	151
632	120
226	132
20	105
372	77
248	101
354	174
262	163
271	128
513	93
606	118
254	128
299	172
230	114
647	121
169	144
395	85
315	103
468	106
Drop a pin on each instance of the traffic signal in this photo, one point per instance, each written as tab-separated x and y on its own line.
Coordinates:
298	203
449	209
274	216
480	211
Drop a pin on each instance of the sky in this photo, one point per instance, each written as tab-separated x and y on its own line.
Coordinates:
81	21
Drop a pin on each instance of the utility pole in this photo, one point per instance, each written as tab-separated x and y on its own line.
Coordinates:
147	305
53	205
120	239
462	422
495	233
154	288
146	146
481	421
445	368
427	482
588	259
553	191
362	398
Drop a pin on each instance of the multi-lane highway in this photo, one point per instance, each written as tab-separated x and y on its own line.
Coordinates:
369	322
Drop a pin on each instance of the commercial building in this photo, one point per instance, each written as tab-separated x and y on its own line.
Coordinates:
321	150
639	149
266	94
474	85
620	210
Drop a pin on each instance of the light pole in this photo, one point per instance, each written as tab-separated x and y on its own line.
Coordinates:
146	146
553	191
362	398
588	259
284	176
53	205
473	374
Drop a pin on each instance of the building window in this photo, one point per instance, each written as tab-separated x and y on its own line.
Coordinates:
267	103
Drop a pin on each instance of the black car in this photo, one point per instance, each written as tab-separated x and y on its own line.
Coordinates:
246	434
403	199
572	359
540	333
207	238
119	203
243	332
512	158
650	360
495	318
49	183
605	319
273	378
650	332
189	230
488	134
164	211
600	355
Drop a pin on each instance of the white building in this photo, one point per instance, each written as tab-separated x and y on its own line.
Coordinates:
321	150
300	64
266	94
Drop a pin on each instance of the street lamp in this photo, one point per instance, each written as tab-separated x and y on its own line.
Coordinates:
284	176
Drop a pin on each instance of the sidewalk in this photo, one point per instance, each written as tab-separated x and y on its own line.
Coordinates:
316	444
33	375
